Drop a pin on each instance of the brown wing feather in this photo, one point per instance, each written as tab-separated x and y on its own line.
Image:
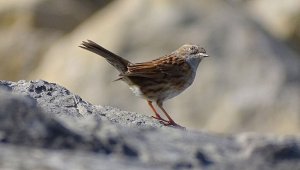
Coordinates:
162	67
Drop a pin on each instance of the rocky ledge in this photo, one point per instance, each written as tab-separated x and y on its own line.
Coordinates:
45	126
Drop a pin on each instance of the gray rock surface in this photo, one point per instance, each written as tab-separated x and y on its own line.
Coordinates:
45	126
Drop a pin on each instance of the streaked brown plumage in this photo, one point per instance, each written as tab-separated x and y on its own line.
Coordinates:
159	79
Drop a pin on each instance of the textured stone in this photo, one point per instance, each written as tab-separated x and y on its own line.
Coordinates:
44	125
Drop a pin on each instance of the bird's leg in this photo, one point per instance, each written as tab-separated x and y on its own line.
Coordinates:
171	121
157	116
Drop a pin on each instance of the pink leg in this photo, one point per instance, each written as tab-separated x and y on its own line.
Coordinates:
171	121
157	116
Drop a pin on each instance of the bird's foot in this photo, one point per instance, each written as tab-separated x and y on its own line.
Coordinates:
173	124
160	119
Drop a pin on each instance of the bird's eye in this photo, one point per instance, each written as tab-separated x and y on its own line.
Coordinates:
193	50
202	50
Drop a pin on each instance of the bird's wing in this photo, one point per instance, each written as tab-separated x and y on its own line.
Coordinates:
163	67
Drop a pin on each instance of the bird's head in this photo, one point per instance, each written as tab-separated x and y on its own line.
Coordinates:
193	54
192	51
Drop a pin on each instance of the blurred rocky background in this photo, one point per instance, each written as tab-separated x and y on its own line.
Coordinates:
251	82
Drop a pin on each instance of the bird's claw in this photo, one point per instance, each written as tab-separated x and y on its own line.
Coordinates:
160	119
173	124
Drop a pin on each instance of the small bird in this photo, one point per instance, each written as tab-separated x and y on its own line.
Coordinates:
156	80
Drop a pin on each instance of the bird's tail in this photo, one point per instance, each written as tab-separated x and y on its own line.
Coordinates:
118	62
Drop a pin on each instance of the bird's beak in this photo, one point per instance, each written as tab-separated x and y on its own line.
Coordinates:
204	55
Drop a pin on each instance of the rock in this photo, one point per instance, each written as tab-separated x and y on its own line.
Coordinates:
24	123
45	125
